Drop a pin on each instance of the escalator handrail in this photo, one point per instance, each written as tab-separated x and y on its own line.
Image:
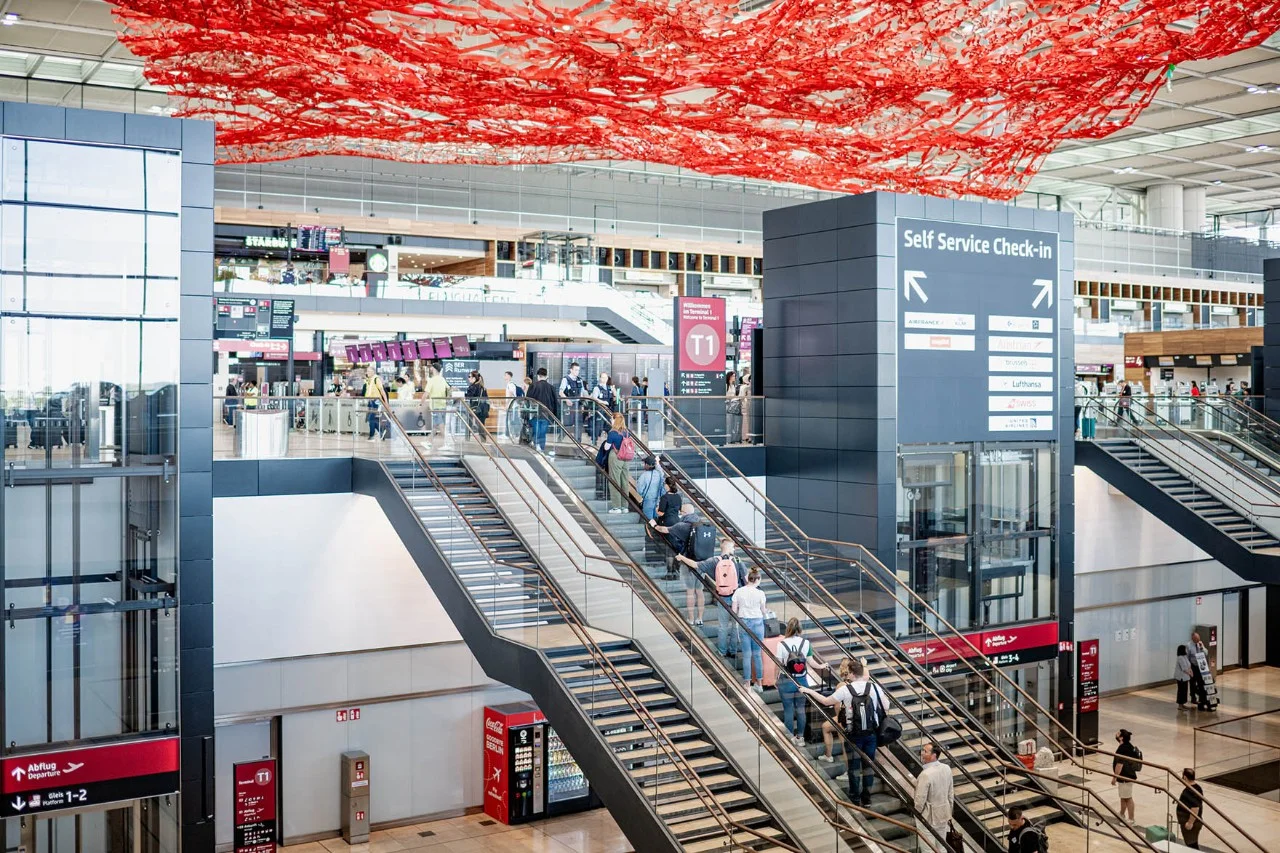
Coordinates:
1162	424
918	600
727	681
1251	421
886	651
873	640
599	658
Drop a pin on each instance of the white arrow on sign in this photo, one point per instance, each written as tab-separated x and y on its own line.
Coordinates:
1046	292
911	281
19	803
17	773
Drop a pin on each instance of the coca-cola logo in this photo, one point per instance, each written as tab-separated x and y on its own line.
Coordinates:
493	725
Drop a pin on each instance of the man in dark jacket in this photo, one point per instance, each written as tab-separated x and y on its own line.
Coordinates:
543	393
1024	837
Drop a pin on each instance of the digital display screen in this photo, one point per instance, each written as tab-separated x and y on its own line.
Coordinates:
409	350
1166	361
425	350
1204	361
353	354
366	353
393	351
1228	359
443	348
461	346
379	351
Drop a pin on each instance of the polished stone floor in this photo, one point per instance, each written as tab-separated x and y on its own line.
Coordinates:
588	832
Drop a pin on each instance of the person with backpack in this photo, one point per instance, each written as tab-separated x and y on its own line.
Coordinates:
1025	836
797	656
1124	770
571	391
649	488
749	603
724	573
864	705
614	446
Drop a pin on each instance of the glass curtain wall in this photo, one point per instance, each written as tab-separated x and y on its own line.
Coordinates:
975	530
89	267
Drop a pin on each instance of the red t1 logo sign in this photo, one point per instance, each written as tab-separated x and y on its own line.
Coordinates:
702	345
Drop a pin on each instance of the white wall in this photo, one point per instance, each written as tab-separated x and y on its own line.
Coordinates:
735	499
1113	532
315	574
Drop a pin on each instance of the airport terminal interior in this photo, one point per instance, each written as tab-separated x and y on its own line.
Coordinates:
709	425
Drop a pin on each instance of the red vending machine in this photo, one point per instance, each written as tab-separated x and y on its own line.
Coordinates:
528	772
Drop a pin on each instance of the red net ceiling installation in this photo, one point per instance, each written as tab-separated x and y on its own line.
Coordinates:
944	97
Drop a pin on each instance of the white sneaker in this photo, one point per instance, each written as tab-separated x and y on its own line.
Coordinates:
826	759
799	741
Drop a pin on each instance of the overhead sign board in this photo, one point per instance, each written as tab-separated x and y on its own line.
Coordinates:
977	338
1010	646
700	337
89	776
248	318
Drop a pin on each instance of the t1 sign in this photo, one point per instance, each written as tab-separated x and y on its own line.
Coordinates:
700	338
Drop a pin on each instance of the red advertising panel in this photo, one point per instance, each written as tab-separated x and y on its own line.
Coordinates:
1087	679
700	335
746	332
495	765
72	778
339	260
255	806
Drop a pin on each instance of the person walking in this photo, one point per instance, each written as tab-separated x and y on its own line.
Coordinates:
1183	673
669	504
724	573
373	394
615	468
635	404
601	416
732	408
1126	403
749	604
542	393
435	399
1124	770
1024	836
935	798
748	427
649	487
1190	809
798	657
864	704
478	401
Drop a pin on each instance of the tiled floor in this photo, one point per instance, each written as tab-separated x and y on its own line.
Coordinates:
588	832
1167	736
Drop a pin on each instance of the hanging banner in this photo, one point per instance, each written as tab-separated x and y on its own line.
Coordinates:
255	806
700	338
1011	646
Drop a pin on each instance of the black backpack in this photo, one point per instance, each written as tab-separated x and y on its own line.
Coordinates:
1040	834
797	658
860	715
703	541
1135	761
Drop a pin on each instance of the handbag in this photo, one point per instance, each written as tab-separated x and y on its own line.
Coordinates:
955	841
888	731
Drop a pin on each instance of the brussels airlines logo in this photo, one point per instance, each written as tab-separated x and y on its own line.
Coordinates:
494	726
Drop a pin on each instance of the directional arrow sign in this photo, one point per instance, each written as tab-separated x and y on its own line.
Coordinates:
911	281
1046	292
18	773
19	803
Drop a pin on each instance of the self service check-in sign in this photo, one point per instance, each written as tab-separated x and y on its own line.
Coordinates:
977	332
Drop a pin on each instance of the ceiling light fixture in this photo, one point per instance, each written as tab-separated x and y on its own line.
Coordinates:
1127	170
1257	90
1258	149
10	19
1217	183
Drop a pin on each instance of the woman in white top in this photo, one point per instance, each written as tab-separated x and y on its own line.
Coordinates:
749	604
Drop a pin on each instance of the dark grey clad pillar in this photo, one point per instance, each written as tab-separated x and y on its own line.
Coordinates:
835	414
1271	339
195	466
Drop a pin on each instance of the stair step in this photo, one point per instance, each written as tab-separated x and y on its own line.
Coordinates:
676	808
687	746
742	839
698	827
661	716
1035	815
650	774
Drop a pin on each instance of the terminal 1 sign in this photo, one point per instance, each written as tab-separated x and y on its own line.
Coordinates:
701	334
977	332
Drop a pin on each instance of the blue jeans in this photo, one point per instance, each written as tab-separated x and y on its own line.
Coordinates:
373	420
727	631
854	763
752	635
540	432
794	713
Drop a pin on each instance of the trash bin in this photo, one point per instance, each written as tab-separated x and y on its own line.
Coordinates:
262	434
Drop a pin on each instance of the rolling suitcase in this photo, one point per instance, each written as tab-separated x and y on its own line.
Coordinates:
770	678
10	433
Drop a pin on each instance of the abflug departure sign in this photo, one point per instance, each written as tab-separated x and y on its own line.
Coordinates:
977	332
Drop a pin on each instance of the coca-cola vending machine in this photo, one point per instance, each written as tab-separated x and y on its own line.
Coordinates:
528	772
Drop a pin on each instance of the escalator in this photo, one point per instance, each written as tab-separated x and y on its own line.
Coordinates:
665	778
1209	480
837	585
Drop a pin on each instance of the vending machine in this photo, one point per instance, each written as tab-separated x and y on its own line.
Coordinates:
528	772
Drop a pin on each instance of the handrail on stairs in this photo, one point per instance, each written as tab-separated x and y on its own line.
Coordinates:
728	470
